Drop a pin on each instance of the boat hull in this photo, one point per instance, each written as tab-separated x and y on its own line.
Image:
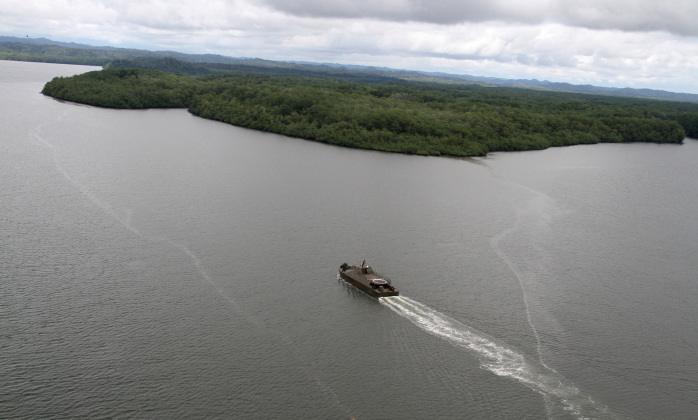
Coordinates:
366	282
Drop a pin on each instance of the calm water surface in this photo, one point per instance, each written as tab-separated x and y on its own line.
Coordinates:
158	265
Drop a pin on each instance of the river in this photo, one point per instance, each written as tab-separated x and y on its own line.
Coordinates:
159	265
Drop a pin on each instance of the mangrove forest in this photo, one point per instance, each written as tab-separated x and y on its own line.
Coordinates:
384	114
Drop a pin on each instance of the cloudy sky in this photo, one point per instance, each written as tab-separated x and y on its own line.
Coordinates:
633	43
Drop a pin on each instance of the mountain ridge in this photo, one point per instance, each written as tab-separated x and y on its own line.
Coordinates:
46	50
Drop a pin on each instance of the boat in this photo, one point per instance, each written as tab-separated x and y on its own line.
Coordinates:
364	279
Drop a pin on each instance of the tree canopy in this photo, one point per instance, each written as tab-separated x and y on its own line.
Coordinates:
394	116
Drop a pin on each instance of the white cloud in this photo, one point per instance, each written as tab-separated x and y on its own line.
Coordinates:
638	43
429	11
676	16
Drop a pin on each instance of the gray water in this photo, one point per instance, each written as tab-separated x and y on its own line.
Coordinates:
158	265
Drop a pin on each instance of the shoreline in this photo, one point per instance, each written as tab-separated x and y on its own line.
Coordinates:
407	118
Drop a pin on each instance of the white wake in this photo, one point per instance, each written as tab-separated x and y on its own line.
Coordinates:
501	359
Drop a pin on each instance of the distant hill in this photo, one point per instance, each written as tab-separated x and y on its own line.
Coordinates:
45	50
254	67
45	41
568	87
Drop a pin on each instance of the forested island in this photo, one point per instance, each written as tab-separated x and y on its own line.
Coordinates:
387	115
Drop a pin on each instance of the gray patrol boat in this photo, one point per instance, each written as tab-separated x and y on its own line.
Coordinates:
363	277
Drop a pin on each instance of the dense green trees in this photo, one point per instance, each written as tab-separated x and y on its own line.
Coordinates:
417	118
125	88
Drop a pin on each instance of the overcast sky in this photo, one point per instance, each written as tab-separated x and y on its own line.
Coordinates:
633	43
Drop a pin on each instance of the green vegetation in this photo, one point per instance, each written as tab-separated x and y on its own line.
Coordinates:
255	67
394	116
126	88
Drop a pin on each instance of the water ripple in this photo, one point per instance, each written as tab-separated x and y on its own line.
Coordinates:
562	396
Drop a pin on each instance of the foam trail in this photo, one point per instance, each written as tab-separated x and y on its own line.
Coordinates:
494	243
502	360
538	212
125	219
